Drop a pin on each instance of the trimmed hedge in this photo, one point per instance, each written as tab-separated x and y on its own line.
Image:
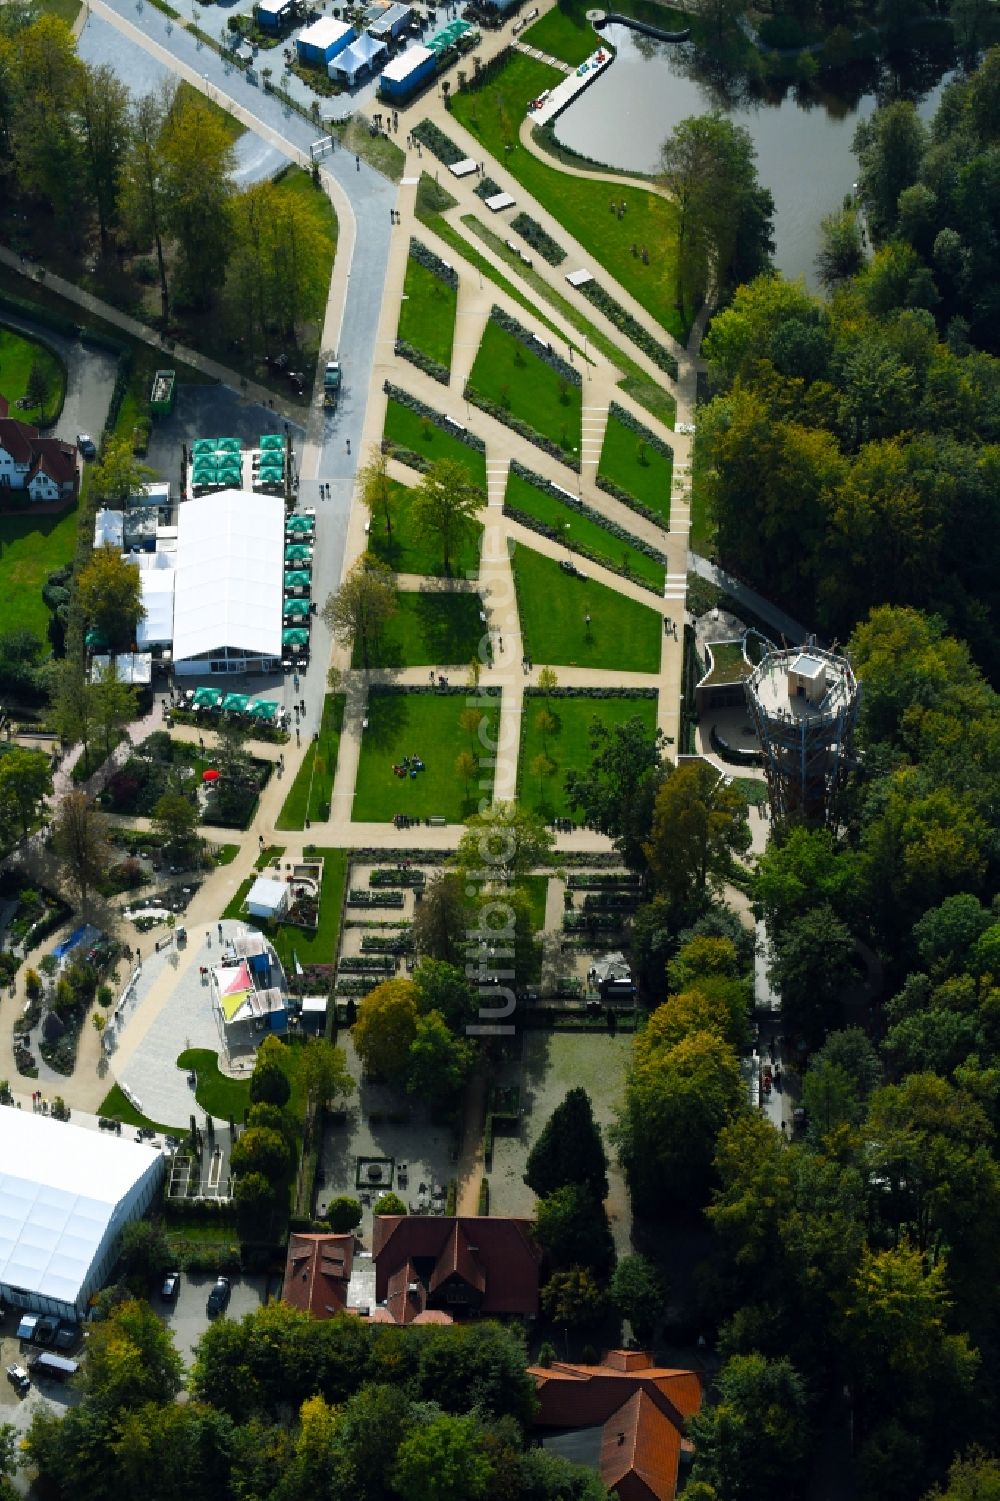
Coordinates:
583	509
591	693
617	493
437	143
433	263
484	1197
630	326
414	404
487	72
731	753
423	362
536	346
538	238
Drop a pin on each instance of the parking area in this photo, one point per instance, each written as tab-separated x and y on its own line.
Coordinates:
186	1317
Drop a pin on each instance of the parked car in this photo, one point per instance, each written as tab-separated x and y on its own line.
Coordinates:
19	1378
171	1286
86	445
218	1298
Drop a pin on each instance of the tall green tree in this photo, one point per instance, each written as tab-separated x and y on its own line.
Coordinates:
109	591
25	783
758	1435
144	188
198	160
80	838
699	824
442	1460
358	611
569	1150
439	1061
616	794
572	1228
890	148
503	844
116	704
444	502
385	1029
102	103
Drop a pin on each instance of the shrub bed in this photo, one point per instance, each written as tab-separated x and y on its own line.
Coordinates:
493	409
433	263
487	187
437	143
538	347
405	399
630	326
423	362
641	431
538	238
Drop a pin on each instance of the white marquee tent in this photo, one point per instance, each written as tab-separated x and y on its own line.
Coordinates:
66	1194
230	579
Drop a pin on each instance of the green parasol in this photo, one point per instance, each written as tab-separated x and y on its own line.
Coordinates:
297	553
235	703
295	635
264	708
206	698
297	578
300	526
297	607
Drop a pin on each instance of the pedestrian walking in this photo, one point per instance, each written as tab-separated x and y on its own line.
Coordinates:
220	932
208	939
500	642
357	164
348	445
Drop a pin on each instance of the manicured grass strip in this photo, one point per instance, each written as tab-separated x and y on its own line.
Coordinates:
567	36
640	386
635	467
411	549
32	547
541	785
428	630
410	430
623	635
507	373
494	116
220	1096
18	354
427	314
310	794
116	1107
225	854
426	725
579	531
536	889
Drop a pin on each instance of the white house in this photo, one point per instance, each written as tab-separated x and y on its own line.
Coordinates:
44	467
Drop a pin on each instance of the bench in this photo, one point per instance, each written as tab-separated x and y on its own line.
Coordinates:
437	820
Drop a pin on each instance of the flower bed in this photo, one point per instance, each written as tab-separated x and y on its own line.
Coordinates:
437	143
538	238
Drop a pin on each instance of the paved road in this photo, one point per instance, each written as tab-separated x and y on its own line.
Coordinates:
90	379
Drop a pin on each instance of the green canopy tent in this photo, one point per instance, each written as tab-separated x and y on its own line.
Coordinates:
235	703
206	698
202	447
229	445
294	635
300	526
297	580
297	608
272	442
296	553
264	709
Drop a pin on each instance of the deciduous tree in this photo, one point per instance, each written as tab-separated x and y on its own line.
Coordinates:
197	165
109	591
358	611
439	1061
503	844
758	1434
25	782
384	1031
699	824
638	1293
573	1298
323	1073
616	795
80	838
444	502
442	1460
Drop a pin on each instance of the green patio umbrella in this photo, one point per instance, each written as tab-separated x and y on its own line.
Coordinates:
297	578
295	635
270	476
272	441
229	445
300	526
202	446
297	607
206	698
296	553
264	708
235	703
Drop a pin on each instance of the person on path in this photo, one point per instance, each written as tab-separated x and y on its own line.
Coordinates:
348	445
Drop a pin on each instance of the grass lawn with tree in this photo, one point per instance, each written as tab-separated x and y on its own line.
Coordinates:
18	355
547	754
583	205
31	547
311	792
310	947
409	430
412	549
214	1092
631	464
565	31
570	527
512	376
428	630
426	725
623	635
427	313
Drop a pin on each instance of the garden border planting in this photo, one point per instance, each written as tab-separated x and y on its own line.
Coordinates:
538	238
630	327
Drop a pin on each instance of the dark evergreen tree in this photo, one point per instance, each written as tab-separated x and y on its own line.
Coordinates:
569	1150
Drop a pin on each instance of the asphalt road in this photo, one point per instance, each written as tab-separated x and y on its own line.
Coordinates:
90	379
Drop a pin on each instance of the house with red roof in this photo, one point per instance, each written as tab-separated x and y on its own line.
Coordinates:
626	1418
432	1268
45	468
317	1273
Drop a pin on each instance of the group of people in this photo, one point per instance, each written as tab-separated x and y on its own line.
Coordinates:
408	767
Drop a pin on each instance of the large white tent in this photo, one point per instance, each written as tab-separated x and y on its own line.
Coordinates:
66	1194
158	578
230	577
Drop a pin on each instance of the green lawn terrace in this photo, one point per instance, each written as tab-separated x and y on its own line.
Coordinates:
427	630
630	462
564	522
427	313
310	795
412	549
401	725
549	751
414	432
588	209
622	635
509	375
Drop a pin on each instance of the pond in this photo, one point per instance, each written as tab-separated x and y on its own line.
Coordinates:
803	142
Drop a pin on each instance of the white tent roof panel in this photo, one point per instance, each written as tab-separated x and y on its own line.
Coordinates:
230	574
157	626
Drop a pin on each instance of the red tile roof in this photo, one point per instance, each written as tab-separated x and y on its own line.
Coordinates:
317	1273
641	1408
56	459
18	438
494	1257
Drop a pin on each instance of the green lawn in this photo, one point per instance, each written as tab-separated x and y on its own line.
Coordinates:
410	430
569	36
427	313
425	725
17	356
568	746
63	10
636	468
319	947
576	530
536	889
509	373
494	116
428	630
116	1107
31	547
411	549
310	794
623	635
215	1093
